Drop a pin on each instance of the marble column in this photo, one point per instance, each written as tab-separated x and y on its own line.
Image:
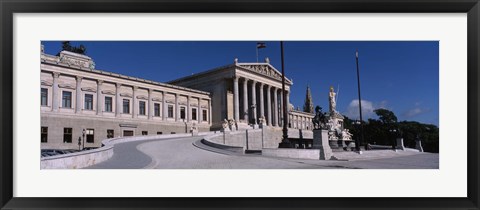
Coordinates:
269	106
177	108
99	97
254	102
288	102
262	104
199	111
78	102
55	98
164	106
209	105
275	107
280	116
134	102
150	104
245	101
189	109
118	100
235	99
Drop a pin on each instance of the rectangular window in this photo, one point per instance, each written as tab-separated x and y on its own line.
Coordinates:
144	133
44	97
44	134
67	135
156	108
141	107
126	106
88	102
159	133
110	134
182	112
108	104
89	135
204	114
194	114
67	99
170	111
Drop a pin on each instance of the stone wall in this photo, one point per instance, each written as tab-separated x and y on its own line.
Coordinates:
258	138
91	157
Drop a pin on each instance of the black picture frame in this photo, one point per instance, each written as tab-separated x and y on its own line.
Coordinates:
10	7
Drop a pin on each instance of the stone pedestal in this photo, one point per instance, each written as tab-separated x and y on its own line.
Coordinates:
418	145
320	141
400	144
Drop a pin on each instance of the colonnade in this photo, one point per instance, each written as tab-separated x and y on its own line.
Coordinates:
256	108
298	121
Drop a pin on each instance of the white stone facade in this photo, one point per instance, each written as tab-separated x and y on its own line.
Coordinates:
76	97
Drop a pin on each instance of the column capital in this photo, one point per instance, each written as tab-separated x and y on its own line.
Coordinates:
79	78
56	74
261	84
235	77
118	85
246	79
254	82
150	91
100	82
269	87
135	88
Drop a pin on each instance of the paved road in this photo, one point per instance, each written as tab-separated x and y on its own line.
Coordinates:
181	153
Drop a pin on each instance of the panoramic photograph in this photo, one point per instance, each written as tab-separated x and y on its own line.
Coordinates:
239	104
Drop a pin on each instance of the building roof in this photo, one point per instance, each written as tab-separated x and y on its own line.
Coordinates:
86	64
264	69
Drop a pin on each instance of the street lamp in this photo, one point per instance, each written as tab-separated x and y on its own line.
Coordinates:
393	132
79	142
83	135
357	144
285	142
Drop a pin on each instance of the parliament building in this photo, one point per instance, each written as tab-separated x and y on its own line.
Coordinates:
81	105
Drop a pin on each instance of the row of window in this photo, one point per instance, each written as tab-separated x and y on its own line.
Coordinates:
89	134
67	103
67	135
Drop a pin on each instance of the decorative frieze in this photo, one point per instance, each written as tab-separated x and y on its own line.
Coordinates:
89	89
108	92
67	86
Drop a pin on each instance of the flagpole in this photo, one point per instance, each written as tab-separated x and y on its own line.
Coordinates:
257	52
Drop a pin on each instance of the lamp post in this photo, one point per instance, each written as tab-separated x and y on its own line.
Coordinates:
357	144
79	142
285	142
393	132
83	135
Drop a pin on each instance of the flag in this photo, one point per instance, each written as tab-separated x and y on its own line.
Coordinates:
261	45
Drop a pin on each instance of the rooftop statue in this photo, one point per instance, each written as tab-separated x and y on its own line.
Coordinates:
68	47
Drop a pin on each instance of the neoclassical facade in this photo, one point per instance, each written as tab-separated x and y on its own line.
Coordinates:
76	97
81	106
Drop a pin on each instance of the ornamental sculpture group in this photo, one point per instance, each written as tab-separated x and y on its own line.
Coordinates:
338	136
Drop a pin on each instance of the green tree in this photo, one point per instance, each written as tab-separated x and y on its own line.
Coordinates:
386	116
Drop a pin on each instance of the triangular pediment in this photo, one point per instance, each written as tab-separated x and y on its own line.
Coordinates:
264	69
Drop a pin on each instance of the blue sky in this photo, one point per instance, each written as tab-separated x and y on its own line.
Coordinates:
401	76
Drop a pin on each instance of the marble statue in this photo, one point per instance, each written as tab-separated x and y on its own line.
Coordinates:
262	120
225	125
331	99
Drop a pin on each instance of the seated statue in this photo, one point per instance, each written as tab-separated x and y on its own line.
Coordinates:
346	135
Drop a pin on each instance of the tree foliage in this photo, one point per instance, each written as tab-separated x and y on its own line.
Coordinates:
379	131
